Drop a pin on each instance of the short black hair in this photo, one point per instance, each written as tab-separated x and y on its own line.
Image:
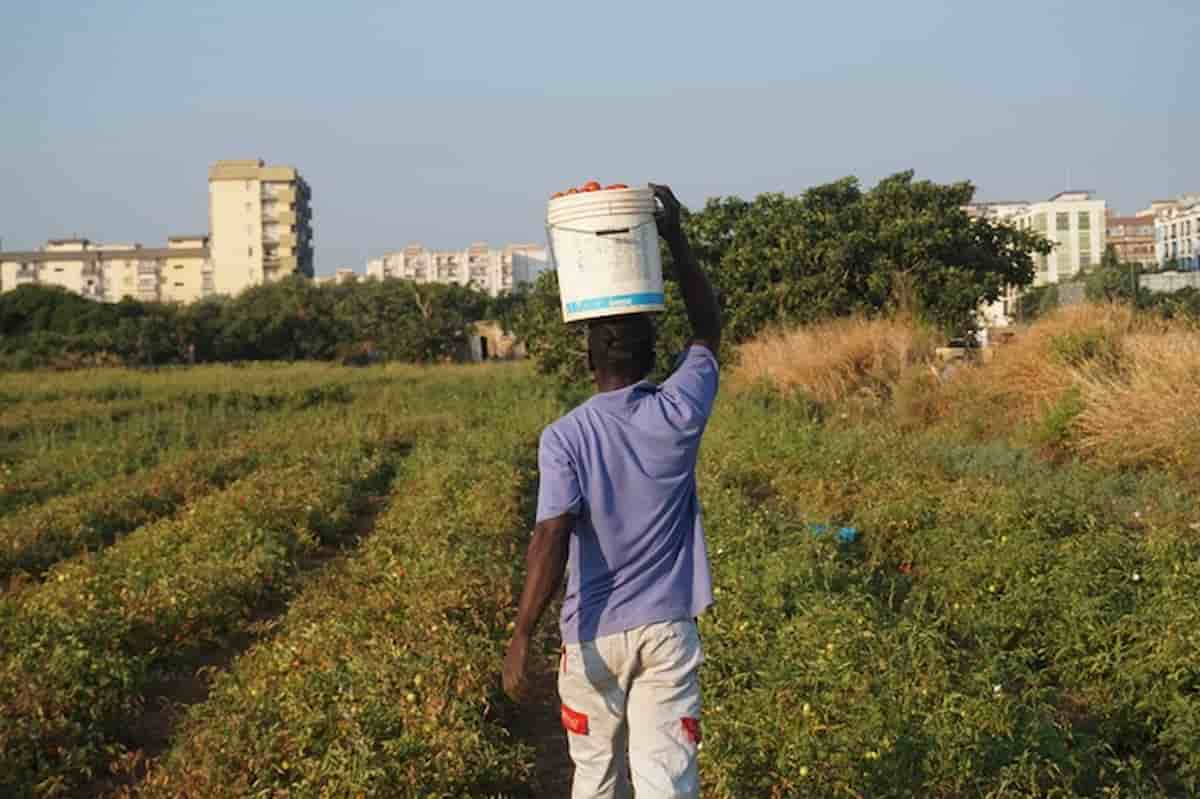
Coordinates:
622	345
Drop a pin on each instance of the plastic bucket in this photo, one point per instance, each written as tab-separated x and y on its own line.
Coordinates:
604	245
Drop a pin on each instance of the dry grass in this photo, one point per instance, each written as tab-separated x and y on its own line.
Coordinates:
1143	413
836	360
1035	370
1100	381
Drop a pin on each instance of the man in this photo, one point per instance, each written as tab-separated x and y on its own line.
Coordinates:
617	499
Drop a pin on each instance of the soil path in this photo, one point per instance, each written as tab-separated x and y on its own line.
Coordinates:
537	723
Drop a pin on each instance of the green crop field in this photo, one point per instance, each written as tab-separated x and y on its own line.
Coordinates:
297	580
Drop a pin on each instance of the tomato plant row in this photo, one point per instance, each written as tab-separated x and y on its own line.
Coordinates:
383	678
78	652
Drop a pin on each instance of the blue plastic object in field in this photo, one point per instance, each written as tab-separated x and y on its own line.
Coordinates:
845	535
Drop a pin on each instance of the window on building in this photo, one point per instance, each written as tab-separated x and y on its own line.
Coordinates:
179	266
1039	222
1062	221
1085	260
178	285
250	251
1085	220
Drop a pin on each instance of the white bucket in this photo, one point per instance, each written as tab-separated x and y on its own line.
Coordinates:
604	245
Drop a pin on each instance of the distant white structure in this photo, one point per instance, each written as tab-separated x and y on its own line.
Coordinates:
1076	224
1001	312
1177	233
491	269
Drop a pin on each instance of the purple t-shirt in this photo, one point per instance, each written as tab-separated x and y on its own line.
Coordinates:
624	463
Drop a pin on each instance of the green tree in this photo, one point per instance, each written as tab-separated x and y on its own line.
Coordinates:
835	250
1113	280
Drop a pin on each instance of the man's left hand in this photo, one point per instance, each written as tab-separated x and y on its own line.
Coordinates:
516	662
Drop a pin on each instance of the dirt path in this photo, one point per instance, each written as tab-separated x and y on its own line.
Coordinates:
537	723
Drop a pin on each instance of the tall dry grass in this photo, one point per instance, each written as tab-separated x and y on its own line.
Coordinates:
1037	367
1101	381
1144	412
836	360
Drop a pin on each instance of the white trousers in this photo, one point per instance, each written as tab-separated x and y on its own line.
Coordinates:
631	708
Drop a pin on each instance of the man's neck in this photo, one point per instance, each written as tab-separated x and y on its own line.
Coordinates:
605	382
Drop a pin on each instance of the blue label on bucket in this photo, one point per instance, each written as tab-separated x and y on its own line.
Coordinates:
615	301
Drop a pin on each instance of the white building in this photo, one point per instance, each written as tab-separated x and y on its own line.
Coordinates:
1001	312
491	269
1177	234
1075	223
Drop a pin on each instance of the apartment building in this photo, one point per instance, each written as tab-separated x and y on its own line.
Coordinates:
1177	234
179	272
260	222
1132	238
1075	222
491	269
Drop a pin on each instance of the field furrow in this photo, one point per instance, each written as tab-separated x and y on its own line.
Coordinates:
382	680
49	463
79	651
33	540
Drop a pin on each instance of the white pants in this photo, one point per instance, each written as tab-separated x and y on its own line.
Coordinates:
636	691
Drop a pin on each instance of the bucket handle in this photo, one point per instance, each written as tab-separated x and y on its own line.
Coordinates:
608	232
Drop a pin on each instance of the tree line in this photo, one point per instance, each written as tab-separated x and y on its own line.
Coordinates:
294	319
904	245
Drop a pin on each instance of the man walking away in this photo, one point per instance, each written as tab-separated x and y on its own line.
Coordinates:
617	500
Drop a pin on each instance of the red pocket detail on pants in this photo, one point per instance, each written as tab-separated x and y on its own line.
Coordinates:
691	728
574	721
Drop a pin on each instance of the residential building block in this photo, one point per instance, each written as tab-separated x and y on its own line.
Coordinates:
491	269
1177	234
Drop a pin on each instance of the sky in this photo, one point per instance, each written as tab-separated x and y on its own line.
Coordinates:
447	123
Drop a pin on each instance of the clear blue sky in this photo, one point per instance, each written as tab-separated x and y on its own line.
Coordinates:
450	122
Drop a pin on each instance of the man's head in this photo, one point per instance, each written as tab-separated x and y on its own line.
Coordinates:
621	349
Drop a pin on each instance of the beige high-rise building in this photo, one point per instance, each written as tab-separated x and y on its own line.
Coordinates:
260	220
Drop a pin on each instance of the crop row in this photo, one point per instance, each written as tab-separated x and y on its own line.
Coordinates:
382	679
998	627
68	417
45	464
80	650
45	534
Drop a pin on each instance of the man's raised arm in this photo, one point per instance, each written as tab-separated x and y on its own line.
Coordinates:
698	297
